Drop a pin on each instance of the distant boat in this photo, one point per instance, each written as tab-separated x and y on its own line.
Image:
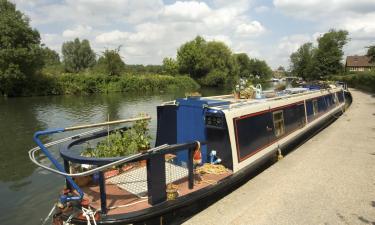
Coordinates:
221	138
275	80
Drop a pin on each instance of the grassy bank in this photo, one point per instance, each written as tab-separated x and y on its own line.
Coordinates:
361	80
92	83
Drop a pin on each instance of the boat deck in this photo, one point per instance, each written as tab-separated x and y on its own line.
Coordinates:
120	200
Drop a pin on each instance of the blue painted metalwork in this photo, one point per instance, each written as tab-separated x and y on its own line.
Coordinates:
54	161
103	194
191	123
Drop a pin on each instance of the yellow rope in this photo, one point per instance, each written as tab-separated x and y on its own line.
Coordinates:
211	169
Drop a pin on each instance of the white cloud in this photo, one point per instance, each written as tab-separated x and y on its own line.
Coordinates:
222	38
187	10
253	28
261	9
111	37
79	31
357	17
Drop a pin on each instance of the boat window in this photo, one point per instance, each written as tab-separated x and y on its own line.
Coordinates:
278	123
315	106
335	99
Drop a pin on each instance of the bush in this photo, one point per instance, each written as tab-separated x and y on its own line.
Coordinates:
361	80
85	83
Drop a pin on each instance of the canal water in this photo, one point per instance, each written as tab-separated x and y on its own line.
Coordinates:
27	193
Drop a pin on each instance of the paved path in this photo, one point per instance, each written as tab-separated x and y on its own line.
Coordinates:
328	180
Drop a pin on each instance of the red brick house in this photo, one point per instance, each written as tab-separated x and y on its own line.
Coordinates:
358	63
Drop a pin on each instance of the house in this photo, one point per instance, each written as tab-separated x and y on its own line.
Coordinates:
358	63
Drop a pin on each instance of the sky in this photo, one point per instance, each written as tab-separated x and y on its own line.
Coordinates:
150	30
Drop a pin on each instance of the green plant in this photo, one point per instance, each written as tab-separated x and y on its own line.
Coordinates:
122	143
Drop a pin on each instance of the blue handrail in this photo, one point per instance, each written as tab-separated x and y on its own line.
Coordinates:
36	136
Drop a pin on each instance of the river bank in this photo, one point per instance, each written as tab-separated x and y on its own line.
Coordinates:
86	83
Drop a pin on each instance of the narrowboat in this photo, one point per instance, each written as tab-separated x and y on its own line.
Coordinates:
204	147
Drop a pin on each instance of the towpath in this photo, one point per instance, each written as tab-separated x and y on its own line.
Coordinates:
328	180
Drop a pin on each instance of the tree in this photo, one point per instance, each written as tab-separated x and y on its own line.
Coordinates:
302	62
260	68
243	62
330	52
281	69
20	50
211	63
191	58
50	57
111	62
77	55
170	66
371	53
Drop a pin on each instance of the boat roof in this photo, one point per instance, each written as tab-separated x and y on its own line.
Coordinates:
229	101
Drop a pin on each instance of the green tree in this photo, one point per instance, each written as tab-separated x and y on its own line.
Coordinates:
77	55
330	52
222	66
371	53
20	50
170	66
260	68
211	63
302	62
50	57
244	64
281	69
191	58
111	62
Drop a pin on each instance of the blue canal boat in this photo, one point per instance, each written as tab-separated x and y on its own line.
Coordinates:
205	147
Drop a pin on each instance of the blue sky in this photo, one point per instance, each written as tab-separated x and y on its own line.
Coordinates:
149	30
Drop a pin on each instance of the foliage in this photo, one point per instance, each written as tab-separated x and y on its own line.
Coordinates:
142	69
214	78
124	143
50	57
330	52
315	63
281	69
191	58
87	83
77	55
362	80
20	50
211	63
260	68
371	53
170	66
244	64
251	68
111	62
302	61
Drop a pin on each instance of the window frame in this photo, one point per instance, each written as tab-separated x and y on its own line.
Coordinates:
315	107
281	121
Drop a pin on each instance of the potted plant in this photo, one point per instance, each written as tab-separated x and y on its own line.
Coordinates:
123	143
